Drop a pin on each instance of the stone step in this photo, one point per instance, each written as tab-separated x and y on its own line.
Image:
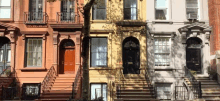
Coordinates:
53	99
137	99
135	93
135	96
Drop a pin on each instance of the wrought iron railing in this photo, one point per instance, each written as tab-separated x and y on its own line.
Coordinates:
49	79
68	17
76	82
149	80
181	93
35	18
12	92
195	86
5	70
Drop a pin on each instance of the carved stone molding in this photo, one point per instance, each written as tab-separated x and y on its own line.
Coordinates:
55	37
183	37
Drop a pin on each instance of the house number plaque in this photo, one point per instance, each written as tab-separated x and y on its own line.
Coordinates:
130	63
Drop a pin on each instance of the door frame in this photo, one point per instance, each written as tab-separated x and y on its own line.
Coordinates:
61	52
199	47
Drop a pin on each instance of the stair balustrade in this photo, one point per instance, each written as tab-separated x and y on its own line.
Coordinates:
120	77
76	82
196	85
49	78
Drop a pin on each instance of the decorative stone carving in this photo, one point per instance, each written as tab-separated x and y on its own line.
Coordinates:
173	35
44	36
55	35
23	35
2	33
194	34
207	35
183	37
152	36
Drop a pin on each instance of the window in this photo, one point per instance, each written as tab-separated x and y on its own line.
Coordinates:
162	51
161	9
99	90
99	52
5	8
30	91
192	9
34	52
99	10
163	91
36	10
67	10
130	9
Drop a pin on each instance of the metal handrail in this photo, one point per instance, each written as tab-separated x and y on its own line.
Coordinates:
68	17
196	85
76	81
35	17
51	75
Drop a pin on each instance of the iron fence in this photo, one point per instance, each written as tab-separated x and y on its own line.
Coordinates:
35	18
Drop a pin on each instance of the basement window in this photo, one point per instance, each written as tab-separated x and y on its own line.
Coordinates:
163	91
99	90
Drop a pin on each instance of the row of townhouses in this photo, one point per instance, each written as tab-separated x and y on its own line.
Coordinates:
139	50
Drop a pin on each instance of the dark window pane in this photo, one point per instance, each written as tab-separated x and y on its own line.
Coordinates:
127	13
130	9
99	10
161	14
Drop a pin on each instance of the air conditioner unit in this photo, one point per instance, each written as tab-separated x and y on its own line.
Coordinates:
192	16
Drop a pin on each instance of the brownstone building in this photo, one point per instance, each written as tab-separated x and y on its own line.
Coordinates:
41	45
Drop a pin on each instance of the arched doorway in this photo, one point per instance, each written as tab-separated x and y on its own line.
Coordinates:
67	57
193	54
131	56
5	54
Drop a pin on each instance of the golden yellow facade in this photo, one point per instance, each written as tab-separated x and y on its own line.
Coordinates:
116	29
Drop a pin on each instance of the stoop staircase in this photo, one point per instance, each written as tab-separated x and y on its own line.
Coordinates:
5	82
210	88
61	89
134	88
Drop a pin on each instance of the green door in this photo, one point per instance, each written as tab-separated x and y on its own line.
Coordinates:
5	53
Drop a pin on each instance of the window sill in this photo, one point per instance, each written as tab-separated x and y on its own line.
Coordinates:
6	19
99	21
163	68
162	22
33	69
100	68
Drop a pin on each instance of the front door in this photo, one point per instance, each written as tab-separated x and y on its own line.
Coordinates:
5	53
69	60
67	57
193	54
131	56
193	59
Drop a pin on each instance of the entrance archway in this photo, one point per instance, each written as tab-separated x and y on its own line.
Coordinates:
193	54
67	57
131	56
5	54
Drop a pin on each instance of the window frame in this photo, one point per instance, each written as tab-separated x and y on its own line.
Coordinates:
101	89
68	9
162	85
169	56
91	52
26	47
94	10
11	13
130	8
167	10
30	97
34	34
198	8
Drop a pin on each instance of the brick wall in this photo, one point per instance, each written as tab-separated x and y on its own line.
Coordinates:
214	21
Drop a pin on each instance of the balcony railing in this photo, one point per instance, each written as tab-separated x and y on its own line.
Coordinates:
68	17
35	18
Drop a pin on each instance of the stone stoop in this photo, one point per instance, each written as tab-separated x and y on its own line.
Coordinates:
61	89
210	88
5	82
134	87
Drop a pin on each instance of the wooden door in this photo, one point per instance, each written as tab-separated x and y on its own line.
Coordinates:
131	56
69	60
193	59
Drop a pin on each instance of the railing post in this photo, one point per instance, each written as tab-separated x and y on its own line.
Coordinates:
72	90
200	90
2	92
39	91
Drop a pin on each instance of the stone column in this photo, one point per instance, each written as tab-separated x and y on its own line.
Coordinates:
55	51
13	50
77	50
